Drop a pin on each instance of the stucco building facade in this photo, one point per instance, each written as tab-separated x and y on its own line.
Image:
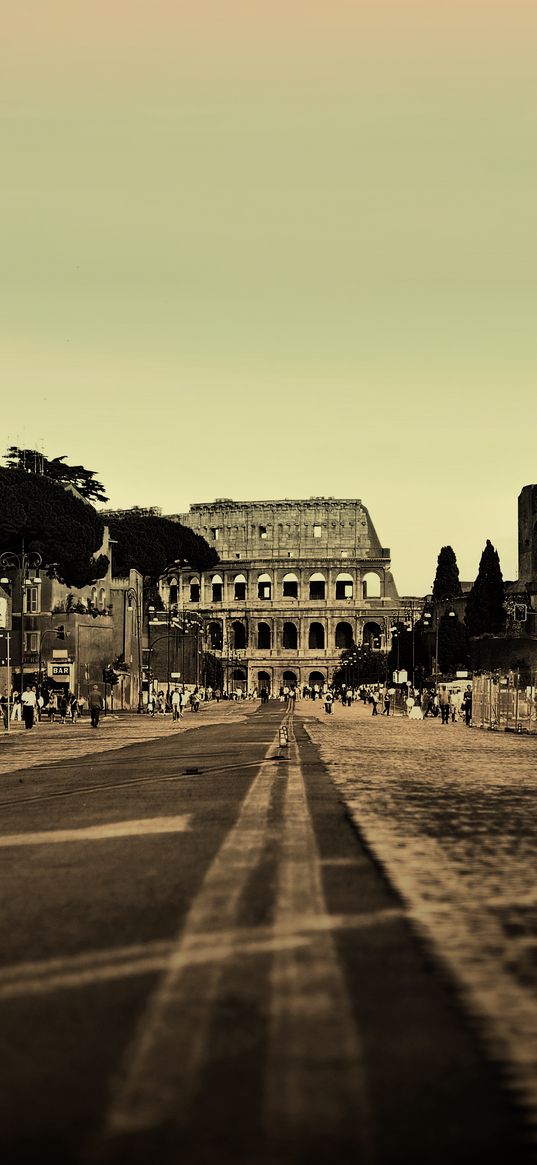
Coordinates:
298	582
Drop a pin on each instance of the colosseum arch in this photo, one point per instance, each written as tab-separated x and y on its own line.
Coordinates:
344	586
194	589
264	637
217	588
344	636
239	588
316	637
290	637
371	585
264	586
290	586
317	586
238	635
372	636
215	636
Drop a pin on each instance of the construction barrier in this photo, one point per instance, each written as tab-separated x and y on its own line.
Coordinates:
506	702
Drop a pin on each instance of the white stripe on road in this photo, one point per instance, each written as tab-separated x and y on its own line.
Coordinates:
79	971
315	1073
139	828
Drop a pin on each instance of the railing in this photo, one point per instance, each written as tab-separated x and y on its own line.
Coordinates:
506	702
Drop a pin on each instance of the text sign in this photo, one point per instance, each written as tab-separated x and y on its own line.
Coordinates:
60	671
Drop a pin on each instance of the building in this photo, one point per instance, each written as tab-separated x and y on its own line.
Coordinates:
298	583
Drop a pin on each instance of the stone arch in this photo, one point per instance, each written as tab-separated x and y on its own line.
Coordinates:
215	636
263	681
238	635
289	679
344	586
290	586
264	586
316	637
102	598
290	637
264	637
239	588
173	591
217	588
194	589
371	585
372	636
316	677
344	636
317	586
238	679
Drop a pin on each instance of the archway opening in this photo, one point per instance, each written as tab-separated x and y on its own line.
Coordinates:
263	637
344	636
263	681
217	588
238	679
214	636
344	586
194	590
239	588
289	637
371	585
264	586
289	679
238	633
372	636
290	586
317	586
316	637
316	677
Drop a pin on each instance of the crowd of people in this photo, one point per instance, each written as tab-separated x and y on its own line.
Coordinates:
34	706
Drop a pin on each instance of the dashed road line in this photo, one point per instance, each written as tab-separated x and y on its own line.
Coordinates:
113	829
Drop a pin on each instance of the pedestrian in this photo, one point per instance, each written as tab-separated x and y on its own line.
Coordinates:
51	706
95	705
62	706
176	704
373	699
16	707
444	702
28	701
467	706
387	704
328	701
150	704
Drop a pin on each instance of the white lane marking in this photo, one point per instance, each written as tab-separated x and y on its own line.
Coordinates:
79	971
161	1071
315	1063
139	828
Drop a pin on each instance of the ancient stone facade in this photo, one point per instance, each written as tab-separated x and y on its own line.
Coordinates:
298	582
527	537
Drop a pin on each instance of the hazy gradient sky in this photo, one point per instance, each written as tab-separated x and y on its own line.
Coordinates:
278	249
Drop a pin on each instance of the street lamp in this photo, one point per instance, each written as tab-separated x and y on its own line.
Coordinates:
23	563
430	610
133	603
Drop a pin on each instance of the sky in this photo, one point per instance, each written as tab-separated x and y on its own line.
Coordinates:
265	250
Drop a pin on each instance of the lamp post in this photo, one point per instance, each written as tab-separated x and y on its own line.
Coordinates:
23	563
431	612
133	603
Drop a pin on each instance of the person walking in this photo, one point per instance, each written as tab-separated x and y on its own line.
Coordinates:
28	701
444	702
373	699
16	707
466	706
95	705
176	704
328	701
387	704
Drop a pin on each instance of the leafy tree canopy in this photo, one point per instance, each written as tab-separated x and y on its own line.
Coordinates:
54	522
151	544
485	611
452	644
447	583
83	480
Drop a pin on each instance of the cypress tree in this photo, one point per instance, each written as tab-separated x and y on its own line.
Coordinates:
447	583
485	611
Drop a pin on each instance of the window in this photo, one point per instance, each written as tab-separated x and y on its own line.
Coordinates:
344	636
264	587
316	637
290	586
289	637
215	636
317	531
263	636
173	595
31	600
344	587
217	587
262	531
238	633
371	585
194	590
31	641
215	533
317	587
240	588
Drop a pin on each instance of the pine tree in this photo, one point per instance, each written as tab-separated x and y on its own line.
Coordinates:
452	644
485	611
447	583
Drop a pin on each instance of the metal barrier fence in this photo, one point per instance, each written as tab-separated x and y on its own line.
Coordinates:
506	702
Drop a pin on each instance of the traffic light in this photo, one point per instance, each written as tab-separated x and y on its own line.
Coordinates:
61	632
110	676
520	613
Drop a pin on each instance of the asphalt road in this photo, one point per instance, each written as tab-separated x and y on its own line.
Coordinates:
200	962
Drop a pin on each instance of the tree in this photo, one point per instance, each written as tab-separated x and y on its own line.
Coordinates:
151	544
485	611
32	461
447	583
66	531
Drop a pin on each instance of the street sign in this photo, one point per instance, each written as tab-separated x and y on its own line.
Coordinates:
175	675
3	611
400	677
60	671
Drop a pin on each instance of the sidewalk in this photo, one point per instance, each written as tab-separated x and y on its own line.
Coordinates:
450	814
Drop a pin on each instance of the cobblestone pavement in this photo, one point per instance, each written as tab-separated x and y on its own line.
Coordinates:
46	743
450	813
